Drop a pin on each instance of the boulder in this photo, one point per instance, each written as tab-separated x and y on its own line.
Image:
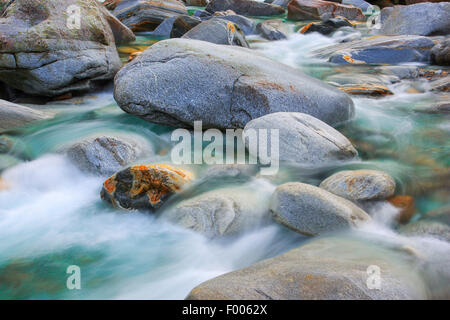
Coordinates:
273	29
105	155
218	31
303	139
245	24
196	3
379	50
13	115
327	269
326	27
245	7
366	89
440	53
357	185
424	19
143	15
178	81
363	5
183	24
313	211
144	186
221	212
318	9
42	54
427	228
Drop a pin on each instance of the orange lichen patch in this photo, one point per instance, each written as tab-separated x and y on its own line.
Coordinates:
305	28
270	85
366	89
230	27
406	206
3	185
110	184
351	60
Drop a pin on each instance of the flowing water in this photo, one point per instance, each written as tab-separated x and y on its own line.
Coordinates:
51	215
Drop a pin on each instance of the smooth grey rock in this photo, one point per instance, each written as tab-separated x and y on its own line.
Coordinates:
379	50
13	115
41	55
326	269
327	26
424	19
312	211
218	31
272	29
363	5
402	72
281	3
442	84
178	81
440	54
427	228
221	212
106	155
142	15
302	139
231	171
245	7
183	24
359	185
245	24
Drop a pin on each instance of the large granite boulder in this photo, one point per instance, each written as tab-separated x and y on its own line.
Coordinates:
178	81
106	154
327	269
379	50
13	115
42	53
221	212
218	31
424	19
309	210
144	187
245	7
318	9
357	185
144	15
303	139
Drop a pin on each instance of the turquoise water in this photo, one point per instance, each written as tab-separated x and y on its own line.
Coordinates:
51	215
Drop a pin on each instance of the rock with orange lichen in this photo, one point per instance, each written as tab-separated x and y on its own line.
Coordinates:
357	185
406	205
144	186
326	27
379	50
145	15
318	9
367	89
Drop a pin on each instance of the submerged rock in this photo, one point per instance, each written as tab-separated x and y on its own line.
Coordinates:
142	15
424	19
221	212
312	211
405	205
231	171
366	89
41	54
178	81
13	115
245	7
106	155
442	84
318	9
426	228
303	139
357	185
218	31
440	54
326	27
144	186
272	29
379	50
326	269
196	3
